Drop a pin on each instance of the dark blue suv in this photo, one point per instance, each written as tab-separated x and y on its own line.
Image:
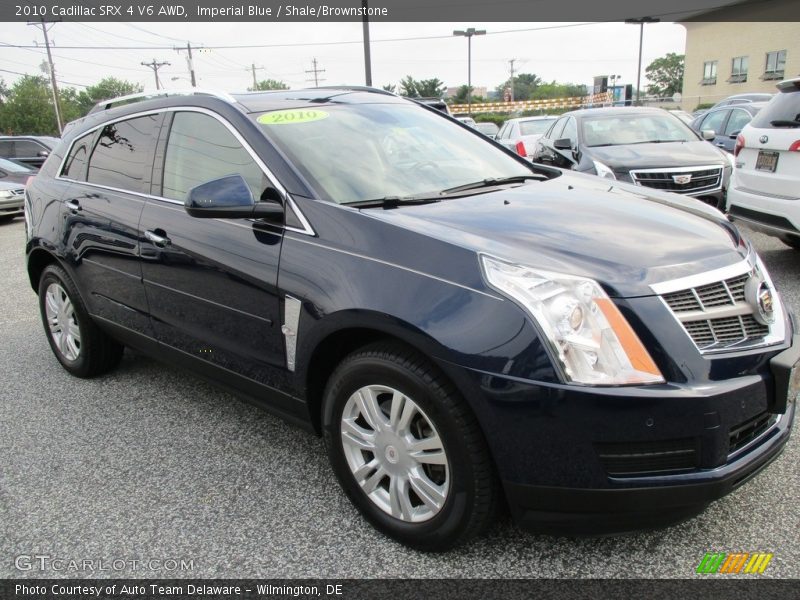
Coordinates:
464	328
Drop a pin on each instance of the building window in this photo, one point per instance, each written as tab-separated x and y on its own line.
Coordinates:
738	70
776	62
709	73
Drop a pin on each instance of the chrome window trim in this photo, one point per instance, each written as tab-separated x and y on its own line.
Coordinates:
307	229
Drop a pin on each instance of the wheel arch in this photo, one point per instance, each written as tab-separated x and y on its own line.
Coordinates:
38	260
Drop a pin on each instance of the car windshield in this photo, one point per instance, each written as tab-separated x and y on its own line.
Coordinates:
358	152
619	130
12	167
536	127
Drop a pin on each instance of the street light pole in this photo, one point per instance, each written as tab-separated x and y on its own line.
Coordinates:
468	33
640	22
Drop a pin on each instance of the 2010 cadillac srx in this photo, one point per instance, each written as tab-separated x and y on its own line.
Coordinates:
463	327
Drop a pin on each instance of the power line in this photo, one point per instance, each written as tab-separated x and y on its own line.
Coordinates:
28	74
316	73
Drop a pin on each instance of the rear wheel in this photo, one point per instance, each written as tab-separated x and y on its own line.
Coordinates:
79	345
407	450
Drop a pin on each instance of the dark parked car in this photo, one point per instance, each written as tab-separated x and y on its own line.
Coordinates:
462	326
28	149
645	146
726	123
13	171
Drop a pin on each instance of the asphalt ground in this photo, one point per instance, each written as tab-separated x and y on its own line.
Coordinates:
151	464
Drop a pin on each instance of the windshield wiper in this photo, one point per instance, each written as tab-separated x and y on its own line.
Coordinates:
491	182
654	142
395	201
785	123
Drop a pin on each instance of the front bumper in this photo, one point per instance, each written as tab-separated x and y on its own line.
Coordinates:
581	460
12	206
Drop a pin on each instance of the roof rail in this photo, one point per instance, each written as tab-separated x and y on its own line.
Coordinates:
107	104
355	88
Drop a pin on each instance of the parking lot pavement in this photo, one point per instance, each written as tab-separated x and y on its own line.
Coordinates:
148	463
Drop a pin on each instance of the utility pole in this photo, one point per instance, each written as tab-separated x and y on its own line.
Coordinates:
189	62
52	69
641	23
254	68
155	66
316	73
511	85
468	33
367	59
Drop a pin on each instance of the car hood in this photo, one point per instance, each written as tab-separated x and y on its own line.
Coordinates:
583	225
653	156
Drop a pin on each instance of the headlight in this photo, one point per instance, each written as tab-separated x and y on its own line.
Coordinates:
592	341
6	194
603	170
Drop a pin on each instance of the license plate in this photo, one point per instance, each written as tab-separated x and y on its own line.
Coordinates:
767	161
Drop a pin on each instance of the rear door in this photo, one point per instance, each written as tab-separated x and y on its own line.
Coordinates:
111	169
211	283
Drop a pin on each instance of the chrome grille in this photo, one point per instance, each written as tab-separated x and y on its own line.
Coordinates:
716	313
18	192
702	179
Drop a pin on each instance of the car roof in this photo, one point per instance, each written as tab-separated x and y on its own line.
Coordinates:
615	110
534	118
789	85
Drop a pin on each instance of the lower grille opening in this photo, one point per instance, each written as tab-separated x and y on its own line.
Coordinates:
746	432
646	458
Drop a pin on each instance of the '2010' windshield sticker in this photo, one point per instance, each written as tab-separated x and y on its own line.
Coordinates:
292	116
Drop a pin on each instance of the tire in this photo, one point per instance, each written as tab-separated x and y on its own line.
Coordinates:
454	470
83	349
792	241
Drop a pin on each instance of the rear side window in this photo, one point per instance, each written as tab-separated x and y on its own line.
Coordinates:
122	156
714	121
737	121
780	112
201	149
7	148
75	165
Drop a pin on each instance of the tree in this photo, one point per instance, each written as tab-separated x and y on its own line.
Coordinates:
390	88
268	84
461	96
525	84
106	89
28	108
665	75
423	88
70	104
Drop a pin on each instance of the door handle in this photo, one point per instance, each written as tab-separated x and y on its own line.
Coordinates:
720	145
73	205
158	237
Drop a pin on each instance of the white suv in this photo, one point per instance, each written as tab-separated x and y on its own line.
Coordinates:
765	188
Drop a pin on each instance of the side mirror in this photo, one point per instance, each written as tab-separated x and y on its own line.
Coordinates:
563	144
735	134
43	153
708	134
228	198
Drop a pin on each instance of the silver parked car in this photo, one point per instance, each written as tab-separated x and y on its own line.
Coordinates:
520	134
12	200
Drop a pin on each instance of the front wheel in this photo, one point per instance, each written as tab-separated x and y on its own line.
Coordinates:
407	450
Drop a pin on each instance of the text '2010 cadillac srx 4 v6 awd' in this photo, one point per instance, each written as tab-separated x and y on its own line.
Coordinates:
463	327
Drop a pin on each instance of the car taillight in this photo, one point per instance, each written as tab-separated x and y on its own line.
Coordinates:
795	147
739	145
521	149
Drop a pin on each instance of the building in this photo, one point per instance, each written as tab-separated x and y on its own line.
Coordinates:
728	54
477	92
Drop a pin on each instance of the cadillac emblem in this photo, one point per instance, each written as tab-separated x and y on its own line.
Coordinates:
681	179
766	309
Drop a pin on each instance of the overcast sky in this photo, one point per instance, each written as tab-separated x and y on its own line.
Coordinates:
554	51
